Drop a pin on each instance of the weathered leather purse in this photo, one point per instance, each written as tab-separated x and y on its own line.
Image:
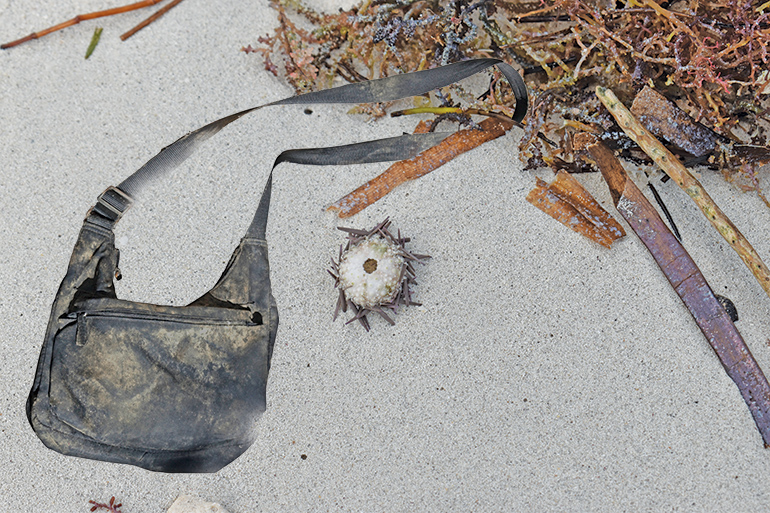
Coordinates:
179	389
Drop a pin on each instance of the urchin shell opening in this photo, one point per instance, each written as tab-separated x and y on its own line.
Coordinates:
370	265
373	273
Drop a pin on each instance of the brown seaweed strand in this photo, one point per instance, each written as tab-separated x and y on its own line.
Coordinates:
690	284
673	168
405	170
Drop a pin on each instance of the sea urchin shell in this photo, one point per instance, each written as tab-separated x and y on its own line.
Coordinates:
373	273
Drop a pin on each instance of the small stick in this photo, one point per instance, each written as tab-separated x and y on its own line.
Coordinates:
664	208
163	10
673	168
81	17
433	158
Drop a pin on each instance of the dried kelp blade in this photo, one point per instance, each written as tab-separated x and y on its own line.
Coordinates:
751	154
422	164
569	203
684	275
666	120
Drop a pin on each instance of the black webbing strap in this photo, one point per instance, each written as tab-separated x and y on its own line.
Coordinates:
381	90
381	150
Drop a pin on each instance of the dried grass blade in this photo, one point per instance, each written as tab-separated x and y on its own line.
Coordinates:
94	41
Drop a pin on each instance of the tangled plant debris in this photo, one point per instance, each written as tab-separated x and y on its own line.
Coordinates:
709	58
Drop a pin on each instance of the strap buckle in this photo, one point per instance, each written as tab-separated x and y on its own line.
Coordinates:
112	204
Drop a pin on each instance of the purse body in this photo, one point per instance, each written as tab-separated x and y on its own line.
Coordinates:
172	389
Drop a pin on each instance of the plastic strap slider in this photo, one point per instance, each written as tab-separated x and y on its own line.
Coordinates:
112	204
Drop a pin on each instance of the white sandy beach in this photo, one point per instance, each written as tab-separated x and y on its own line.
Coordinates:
543	373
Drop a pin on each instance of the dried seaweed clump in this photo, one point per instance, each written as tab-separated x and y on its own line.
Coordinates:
710	58
373	40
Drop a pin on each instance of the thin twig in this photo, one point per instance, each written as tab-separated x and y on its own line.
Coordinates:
673	168
163	10
81	17
666	213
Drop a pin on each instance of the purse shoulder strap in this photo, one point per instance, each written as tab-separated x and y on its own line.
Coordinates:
116	200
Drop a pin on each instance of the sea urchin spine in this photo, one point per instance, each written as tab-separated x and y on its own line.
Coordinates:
373	273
